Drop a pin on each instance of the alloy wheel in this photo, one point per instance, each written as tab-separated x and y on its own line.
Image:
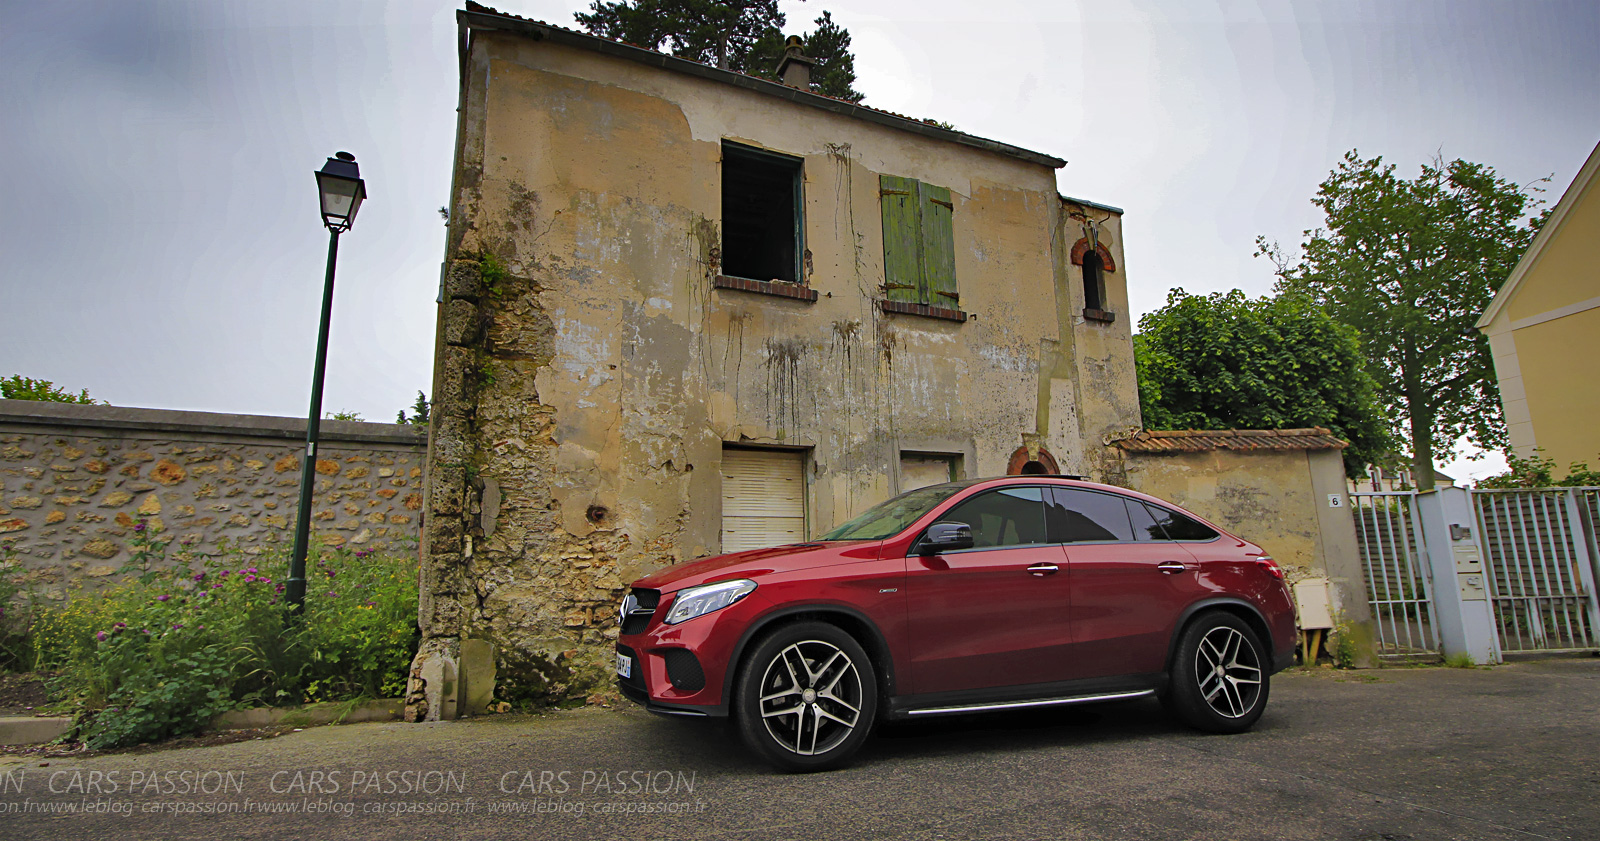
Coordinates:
1228	672
811	697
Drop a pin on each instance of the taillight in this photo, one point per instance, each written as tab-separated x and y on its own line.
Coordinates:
1271	566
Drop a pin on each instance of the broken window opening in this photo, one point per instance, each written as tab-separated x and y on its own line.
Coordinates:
761	214
1093	298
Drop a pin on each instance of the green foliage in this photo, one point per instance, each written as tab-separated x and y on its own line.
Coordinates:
745	36
1460	660
493	274
163	652
1411	264
344	416
18	387
419	412
1225	361
1539	472
16	610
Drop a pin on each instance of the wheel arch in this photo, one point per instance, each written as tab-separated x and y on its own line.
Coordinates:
1249	613
851	621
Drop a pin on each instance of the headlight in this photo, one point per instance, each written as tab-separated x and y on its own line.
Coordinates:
698	601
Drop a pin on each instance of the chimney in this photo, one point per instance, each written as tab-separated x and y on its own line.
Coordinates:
795	69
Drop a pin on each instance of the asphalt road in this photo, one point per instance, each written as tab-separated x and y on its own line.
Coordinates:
1424	753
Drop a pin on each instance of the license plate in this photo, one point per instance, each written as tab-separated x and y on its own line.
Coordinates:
624	665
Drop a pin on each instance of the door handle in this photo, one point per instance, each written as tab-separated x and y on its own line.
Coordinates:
1171	567
1041	570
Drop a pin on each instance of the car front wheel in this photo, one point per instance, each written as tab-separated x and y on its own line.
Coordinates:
807	697
1219	679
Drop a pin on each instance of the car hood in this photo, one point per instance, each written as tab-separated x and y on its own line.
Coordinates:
758	562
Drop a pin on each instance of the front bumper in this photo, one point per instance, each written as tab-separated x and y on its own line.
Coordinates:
683	669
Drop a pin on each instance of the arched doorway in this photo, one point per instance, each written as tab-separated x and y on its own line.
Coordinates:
1037	463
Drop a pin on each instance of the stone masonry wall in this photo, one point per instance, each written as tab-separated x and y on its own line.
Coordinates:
75	479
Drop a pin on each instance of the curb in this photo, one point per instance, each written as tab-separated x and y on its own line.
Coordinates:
330	712
32	730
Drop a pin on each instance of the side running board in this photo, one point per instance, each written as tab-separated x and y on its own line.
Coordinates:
1042	702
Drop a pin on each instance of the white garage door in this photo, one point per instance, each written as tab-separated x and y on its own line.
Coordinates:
763	499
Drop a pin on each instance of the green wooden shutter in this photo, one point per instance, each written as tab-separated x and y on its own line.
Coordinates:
902	240
938	247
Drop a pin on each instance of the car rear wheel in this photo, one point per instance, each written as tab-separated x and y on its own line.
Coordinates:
807	697
1219	680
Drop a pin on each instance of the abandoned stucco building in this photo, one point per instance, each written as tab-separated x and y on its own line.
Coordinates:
685	311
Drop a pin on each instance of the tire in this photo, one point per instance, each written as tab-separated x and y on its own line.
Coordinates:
806	697
1219	681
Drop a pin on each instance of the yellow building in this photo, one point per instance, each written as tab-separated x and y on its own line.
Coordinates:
1544	330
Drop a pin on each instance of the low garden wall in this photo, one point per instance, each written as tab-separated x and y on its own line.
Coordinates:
75	480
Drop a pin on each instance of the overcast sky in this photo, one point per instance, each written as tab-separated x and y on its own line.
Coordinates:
161	241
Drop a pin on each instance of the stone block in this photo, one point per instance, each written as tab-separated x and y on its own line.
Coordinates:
477	670
460	324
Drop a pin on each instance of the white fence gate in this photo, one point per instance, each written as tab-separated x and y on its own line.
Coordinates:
1539	552
1399	582
1540	555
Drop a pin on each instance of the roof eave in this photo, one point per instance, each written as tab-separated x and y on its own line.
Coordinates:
1558	217
542	32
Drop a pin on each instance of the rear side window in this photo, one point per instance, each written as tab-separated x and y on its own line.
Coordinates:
1179	527
1145	527
1005	517
1078	516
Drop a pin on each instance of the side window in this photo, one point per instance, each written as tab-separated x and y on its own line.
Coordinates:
1145	527
1078	516
919	252
1179	527
761	224
1006	517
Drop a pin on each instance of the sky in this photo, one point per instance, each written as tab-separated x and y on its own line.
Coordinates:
162	248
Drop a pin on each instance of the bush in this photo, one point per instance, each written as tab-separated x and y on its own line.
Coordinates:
163	652
16	654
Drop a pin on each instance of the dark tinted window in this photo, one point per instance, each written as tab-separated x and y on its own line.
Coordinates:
1145	527
1086	516
1179	527
1006	517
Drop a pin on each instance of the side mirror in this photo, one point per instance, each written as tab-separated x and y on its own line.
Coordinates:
944	537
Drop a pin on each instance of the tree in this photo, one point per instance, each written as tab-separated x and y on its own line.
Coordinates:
344	415
1411	264
18	387
1225	361
740	35
419	412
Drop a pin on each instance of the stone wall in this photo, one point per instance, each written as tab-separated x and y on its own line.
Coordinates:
74	480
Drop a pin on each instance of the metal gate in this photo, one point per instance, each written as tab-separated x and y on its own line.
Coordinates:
1399	582
1539	553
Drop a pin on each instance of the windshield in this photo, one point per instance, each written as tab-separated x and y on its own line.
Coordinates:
889	518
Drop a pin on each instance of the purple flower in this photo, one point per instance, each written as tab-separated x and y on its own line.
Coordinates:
278	589
251	570
224	574
265	580
177	626
202	592
138	527
249	578
101	636
162	598
199	576
120	625
332	594
146	630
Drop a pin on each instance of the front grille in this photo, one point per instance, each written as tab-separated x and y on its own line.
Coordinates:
637	608
683	670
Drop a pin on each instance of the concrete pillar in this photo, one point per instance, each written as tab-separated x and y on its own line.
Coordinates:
1340	556
1460	589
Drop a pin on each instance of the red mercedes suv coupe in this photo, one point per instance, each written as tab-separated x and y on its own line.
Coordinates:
993	594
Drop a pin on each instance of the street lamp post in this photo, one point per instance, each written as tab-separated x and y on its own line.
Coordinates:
339	182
